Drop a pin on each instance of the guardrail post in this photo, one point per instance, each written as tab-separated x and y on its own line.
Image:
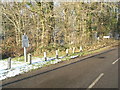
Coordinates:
9	63
30	58
73	50
66	52
45	56
81	49
57	54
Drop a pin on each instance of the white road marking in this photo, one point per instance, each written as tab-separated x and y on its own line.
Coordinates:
97	79
115	61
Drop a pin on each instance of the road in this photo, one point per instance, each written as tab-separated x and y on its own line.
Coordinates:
99	71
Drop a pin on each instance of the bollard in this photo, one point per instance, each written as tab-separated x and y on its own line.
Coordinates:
9	63
45	56
73	50
66	52
57	54
81	49
30	58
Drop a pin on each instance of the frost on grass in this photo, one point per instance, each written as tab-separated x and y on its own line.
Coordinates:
74	56
20	67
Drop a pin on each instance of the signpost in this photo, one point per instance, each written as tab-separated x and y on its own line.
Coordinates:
25	44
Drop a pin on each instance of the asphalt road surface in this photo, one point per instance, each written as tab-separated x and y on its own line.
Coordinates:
99	71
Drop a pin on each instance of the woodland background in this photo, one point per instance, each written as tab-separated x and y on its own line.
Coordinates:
56	25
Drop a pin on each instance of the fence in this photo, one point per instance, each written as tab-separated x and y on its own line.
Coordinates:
9	64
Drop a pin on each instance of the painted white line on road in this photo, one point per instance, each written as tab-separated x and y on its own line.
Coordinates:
97	79
115	61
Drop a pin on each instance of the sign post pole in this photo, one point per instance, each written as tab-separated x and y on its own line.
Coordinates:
25	54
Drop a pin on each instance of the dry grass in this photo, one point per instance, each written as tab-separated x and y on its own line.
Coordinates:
94	46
